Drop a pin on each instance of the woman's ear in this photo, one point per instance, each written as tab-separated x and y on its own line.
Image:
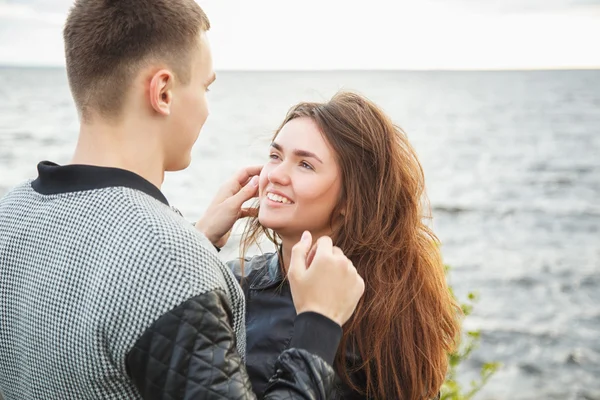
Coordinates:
342	208
338	217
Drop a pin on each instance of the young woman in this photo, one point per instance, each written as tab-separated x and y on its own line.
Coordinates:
343	169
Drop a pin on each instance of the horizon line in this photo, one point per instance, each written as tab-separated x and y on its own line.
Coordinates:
515	69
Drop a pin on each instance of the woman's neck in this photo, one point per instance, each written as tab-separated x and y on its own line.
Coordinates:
286	252
288	243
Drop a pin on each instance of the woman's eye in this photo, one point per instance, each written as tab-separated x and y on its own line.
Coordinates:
306	165
273	156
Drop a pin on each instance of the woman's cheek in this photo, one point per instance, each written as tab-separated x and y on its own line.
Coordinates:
263	180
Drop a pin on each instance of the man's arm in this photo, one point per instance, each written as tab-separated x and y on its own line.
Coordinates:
190	353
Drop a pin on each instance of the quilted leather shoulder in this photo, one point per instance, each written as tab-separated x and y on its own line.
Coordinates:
190	353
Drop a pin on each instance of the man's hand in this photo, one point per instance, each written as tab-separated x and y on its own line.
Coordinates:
226	207
326	282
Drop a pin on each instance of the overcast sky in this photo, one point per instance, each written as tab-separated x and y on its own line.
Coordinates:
354	34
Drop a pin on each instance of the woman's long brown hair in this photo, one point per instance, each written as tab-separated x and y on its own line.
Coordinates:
407	321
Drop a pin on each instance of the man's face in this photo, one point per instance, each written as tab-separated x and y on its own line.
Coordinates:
189	110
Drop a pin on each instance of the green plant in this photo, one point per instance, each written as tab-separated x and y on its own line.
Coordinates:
452	389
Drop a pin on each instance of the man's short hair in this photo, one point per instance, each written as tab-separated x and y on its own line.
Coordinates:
107	41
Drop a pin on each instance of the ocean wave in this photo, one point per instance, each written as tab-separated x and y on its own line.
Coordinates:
592	211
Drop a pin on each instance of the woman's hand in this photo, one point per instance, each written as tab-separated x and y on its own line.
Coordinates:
226	207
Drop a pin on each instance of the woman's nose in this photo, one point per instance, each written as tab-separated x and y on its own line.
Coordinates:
279	175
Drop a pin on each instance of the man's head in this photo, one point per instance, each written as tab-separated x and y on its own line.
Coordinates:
147	57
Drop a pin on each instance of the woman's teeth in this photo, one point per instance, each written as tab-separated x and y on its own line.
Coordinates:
278	198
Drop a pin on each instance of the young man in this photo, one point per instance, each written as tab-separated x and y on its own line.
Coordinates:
105	290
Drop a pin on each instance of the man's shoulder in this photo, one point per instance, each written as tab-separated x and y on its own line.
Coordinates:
184	247
173	231
16	191
162	220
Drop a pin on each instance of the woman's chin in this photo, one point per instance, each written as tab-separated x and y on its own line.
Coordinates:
281	228
269	223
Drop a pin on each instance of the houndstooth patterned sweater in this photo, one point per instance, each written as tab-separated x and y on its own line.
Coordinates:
107	293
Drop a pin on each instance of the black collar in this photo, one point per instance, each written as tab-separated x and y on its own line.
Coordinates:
268	271
55	179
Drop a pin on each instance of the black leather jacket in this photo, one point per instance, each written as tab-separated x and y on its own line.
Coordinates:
190	353
270	317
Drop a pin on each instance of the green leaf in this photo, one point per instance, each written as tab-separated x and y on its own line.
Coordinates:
451	389
474	334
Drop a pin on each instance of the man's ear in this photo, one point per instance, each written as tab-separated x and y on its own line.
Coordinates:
161	91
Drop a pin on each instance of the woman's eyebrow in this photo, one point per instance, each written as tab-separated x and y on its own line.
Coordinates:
298	152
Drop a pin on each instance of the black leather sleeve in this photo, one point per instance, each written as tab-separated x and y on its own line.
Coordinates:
190	353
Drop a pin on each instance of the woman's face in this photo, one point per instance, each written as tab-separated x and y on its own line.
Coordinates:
300	185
